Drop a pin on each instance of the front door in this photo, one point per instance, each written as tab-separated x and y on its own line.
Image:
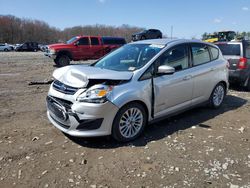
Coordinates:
82	49
173	92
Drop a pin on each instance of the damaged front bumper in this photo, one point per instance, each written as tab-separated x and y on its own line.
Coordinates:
81	119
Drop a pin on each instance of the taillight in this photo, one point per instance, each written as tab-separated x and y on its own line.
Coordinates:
242	64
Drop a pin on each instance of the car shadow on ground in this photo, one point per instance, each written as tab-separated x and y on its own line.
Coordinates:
159	130
238	88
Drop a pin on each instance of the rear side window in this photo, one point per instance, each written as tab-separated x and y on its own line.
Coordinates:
247	50
200	54
229	49
83	41
94	41
214	53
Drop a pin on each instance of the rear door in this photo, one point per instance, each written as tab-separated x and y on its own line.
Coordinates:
232	51
173	92
203	72
96	48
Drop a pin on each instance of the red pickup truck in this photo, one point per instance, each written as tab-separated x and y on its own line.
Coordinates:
82	48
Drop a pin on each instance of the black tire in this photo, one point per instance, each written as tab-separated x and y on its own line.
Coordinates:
248	85
217	96
159	37
6	50
141	115
143	37
62	60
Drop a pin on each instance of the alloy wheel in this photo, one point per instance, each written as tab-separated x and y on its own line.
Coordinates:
131	122
218	95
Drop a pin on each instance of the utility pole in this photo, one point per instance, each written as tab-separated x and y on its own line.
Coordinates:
171	32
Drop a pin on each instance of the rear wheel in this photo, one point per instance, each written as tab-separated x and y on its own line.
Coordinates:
217	96
62	60
129	122
6	50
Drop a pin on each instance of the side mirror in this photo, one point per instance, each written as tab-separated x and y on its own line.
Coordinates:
76	43
164	69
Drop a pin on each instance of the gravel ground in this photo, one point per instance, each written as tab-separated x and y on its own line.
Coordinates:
198	148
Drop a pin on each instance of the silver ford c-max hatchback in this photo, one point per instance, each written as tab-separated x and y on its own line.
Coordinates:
134	85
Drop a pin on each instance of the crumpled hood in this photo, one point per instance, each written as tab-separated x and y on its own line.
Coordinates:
78	75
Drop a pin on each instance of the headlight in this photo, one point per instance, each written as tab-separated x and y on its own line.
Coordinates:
95	94
52	51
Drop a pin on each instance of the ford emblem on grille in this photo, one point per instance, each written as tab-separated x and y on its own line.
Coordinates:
63	87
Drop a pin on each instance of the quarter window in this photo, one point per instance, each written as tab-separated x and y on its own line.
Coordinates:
214	53
176	57
83	41
200	54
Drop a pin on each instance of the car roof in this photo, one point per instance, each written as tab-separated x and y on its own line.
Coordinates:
168	41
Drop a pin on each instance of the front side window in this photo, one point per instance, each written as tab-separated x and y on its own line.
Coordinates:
83	41
200	54
176	57
129	57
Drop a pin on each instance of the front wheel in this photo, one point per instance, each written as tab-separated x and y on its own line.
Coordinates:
129	122
6	50
62	60
217	96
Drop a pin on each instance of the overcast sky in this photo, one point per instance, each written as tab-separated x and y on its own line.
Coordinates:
189	18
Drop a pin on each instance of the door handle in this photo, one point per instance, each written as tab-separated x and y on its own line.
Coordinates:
187	77
212	69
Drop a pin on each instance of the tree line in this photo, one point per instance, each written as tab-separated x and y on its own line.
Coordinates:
15	30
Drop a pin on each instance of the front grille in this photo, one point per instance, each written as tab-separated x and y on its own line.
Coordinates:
59	86
56	108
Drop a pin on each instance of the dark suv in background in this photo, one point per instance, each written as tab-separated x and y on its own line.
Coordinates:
238	55
28	46
147	34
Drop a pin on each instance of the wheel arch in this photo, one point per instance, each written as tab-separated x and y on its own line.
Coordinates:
224	83
65	52
139	102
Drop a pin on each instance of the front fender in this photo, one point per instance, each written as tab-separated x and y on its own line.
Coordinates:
138	91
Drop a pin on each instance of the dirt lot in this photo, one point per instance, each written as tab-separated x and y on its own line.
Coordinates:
199	148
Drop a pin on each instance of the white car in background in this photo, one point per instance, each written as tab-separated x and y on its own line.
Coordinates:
5	47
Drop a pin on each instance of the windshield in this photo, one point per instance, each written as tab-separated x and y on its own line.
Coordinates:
71	40
129	57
